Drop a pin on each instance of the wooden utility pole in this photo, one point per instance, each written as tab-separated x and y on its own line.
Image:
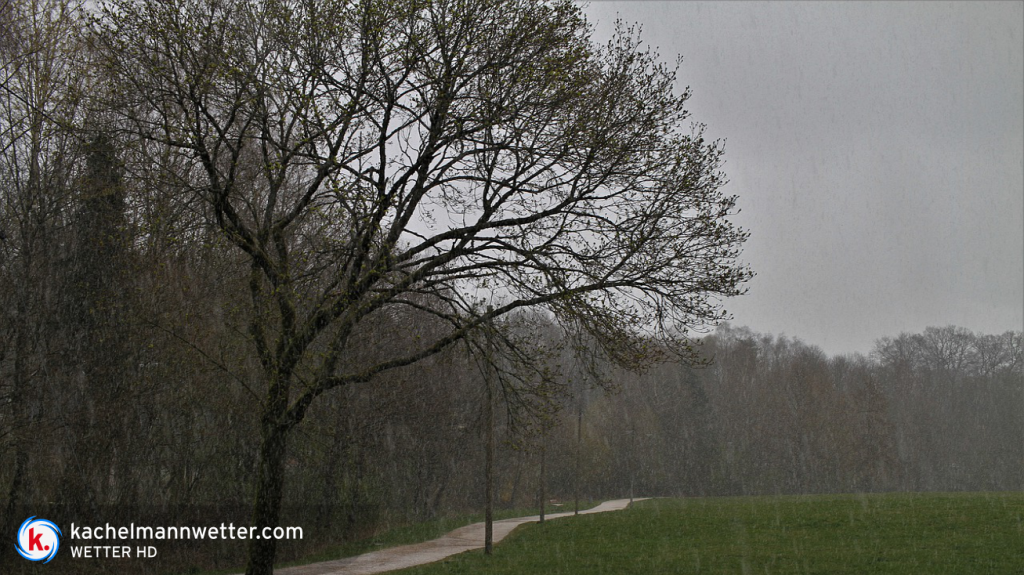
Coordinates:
543	481
630	455
489	460
579	445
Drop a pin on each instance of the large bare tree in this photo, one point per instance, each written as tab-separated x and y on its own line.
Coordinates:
365	157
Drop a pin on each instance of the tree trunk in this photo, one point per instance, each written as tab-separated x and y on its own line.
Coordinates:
267	507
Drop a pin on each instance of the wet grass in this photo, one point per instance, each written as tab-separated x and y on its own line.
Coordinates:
881	533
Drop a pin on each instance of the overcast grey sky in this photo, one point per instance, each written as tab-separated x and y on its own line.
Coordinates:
877	150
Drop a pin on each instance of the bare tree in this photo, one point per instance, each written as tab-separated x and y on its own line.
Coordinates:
360	156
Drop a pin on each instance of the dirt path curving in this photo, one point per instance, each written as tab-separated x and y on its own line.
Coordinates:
458	541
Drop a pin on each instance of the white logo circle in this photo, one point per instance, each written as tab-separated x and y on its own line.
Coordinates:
38	539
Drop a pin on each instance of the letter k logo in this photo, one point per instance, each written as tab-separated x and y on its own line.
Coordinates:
34	541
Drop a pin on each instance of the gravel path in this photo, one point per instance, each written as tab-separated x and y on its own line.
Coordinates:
462	539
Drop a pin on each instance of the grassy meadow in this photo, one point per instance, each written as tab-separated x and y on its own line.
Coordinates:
955	533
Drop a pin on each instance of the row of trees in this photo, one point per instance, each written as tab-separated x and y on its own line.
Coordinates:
935	411
246	246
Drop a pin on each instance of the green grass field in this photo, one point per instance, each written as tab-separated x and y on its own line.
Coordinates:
887	533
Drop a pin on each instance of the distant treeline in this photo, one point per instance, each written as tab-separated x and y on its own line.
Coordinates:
934	411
